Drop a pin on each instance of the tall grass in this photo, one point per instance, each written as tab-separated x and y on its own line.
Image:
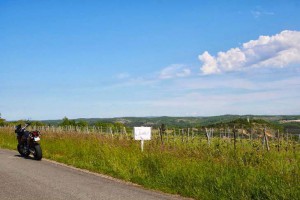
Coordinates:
189	169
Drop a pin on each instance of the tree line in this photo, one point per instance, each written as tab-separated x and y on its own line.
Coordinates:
65	122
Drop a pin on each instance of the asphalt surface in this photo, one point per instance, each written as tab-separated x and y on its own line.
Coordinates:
26	179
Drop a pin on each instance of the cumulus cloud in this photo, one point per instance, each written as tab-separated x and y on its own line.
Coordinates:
280	50
174	71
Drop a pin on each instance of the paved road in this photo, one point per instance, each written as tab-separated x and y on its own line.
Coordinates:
24	179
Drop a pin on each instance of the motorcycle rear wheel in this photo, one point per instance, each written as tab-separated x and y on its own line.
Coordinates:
37	152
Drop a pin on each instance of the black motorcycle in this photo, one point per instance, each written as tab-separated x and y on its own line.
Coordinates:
28	142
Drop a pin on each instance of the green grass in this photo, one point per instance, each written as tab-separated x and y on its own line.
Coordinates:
191	169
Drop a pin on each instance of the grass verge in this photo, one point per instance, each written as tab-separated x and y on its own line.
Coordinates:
198	171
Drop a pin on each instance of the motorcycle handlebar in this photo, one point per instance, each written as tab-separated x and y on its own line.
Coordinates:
26	125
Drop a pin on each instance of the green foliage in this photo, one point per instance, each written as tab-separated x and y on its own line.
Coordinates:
247	123
7	139
82	123
37	123
180	122
113	126
103	124
67	122
118	125
22	122
2	122
14	123
291	127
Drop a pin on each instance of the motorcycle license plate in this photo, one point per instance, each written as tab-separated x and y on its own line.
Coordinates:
37	139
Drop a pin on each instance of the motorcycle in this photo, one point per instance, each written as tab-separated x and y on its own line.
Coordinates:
28	142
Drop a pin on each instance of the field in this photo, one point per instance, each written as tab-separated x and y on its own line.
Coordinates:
188	165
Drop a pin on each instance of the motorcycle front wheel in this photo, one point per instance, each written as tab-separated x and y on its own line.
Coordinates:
20	148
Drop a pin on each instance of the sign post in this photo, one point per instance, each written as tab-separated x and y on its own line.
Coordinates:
142	145
142	133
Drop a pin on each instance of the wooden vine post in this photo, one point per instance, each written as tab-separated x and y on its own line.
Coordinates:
208	134
162	131
234	138
278	140
266	139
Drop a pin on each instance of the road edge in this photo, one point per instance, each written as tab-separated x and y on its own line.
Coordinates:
107	177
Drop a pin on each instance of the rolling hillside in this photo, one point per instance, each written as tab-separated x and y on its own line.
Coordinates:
190	121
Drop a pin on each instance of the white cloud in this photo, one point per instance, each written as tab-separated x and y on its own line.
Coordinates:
281	50
209	63
174	71
258	13
123	75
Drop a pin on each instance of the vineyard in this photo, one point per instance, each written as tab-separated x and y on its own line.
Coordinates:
255	162
170	137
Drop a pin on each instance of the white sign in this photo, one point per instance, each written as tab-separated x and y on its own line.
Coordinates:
142	133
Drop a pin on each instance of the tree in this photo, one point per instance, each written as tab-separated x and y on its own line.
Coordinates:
118	125
67	122
2	122
37	123
82	123
103	124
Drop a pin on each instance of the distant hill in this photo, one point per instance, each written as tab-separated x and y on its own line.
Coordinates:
185	121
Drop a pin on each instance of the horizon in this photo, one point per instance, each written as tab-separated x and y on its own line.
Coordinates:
83	118
152	58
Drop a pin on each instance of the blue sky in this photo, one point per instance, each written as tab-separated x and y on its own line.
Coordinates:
148	58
